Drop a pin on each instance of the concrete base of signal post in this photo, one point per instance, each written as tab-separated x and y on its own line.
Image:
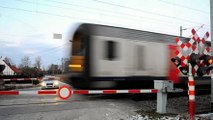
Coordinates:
161	102
162	86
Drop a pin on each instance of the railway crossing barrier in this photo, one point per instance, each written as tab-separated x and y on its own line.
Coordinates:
19	79
17	82
161	87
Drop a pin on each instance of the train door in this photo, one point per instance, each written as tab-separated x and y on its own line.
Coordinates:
140	59
150	59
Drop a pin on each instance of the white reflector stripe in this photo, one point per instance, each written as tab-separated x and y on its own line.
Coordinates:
95	92
28	92
191	88
191	79
145	91
191	97
6	79
122	91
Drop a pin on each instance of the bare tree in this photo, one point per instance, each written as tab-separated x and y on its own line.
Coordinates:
53	69
38	62
8	61
25	62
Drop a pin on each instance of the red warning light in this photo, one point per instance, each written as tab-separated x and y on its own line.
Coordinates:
210	61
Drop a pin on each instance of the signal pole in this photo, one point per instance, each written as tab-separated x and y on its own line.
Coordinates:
181	31
191	92
211	18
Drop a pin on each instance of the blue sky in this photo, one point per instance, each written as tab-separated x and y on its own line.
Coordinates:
27	26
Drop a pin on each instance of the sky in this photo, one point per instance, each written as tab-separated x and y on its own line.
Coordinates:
27	26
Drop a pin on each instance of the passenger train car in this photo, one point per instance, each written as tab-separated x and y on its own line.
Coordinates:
106	56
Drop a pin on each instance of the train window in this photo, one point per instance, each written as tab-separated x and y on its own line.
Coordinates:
78	44
110	51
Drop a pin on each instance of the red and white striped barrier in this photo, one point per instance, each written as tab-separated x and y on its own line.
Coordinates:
18	79
115	91
14	92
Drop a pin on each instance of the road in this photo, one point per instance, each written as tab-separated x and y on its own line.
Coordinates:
82	107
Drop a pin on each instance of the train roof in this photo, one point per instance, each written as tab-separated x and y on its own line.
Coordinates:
127	33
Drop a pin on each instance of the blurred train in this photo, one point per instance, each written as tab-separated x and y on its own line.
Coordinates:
106	56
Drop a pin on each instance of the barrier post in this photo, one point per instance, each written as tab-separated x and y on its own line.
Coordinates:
162	86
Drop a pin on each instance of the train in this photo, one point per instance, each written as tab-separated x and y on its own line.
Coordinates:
104	56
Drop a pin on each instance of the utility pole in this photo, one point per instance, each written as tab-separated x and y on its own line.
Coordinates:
181	30
211	18
62	65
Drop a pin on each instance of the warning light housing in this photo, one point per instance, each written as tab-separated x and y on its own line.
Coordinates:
176	61
195	59
208	60
205	69
184	70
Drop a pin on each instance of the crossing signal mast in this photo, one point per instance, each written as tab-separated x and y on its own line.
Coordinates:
197	62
